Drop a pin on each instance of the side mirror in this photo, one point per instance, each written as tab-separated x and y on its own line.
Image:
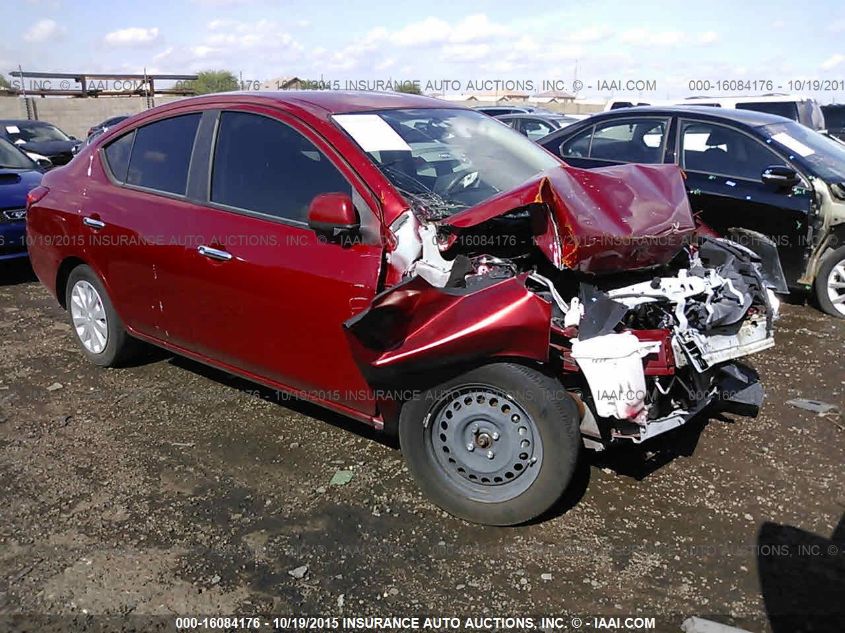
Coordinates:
333	215
780	176
44	163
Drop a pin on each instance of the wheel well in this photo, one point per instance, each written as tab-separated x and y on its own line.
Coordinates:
63	275
391	408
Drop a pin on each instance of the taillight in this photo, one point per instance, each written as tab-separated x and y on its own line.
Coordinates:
35	195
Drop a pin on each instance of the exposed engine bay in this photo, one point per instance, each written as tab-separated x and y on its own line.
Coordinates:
642	326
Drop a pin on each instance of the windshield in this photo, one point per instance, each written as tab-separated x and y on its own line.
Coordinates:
787	109
446	159
12	158
29	133
824	156
834	117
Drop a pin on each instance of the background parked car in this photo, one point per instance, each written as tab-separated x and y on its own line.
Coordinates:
18	176
804	110
536	125
40	139
496	111
105	125
743	169
834	119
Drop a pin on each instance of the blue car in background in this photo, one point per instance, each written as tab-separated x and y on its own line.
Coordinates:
18	176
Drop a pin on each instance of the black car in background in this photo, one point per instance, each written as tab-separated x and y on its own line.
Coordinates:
743	170
536	125
95	130
39	138
496	111
834	120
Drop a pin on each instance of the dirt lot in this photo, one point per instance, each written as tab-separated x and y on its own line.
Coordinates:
169	488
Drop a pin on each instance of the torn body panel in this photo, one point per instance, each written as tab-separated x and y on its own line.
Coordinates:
604	220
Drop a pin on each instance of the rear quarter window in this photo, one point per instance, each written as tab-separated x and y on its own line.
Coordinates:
117	156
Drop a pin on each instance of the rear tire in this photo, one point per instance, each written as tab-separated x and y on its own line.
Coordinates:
497	445
97	328
830	283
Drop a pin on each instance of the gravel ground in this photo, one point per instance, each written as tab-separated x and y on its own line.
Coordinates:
171	489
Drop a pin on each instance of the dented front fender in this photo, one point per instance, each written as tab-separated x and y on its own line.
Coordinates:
415	327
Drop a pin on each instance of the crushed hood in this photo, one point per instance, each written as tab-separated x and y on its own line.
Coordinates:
604	220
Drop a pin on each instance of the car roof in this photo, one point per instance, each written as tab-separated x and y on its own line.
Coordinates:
321	104
748	117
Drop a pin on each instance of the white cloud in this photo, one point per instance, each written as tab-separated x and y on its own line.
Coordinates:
832	62
708	37
588	35
456	53
132	36
42	31
649	37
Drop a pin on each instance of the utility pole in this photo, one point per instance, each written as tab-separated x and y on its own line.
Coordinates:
29	113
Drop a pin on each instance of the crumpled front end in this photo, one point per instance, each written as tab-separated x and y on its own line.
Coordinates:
642	323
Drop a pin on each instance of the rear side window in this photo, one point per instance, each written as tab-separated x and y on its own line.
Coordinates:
623	141
265	166
117	156
161	154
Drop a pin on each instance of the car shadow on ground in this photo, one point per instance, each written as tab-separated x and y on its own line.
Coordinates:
297	405
802	578
638	461
16	271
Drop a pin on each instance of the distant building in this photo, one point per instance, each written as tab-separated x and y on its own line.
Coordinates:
491	97
283	83
553	96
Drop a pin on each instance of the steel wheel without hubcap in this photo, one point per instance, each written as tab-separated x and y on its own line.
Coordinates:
485	443
89	317
836	286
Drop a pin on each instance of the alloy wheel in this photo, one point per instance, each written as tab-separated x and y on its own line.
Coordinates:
89	317
836	286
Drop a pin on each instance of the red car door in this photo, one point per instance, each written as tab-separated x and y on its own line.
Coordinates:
125	208
261	292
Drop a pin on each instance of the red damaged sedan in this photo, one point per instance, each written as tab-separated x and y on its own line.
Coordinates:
412	265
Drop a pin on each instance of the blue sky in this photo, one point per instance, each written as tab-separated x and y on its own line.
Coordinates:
433	40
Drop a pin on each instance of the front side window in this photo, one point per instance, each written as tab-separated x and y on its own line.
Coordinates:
622	141
161	154
717	149
445	159
265	166
536	129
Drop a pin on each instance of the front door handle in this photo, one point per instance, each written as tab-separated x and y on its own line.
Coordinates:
214	253
94	223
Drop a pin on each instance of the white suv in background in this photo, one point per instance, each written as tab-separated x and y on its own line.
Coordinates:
802	109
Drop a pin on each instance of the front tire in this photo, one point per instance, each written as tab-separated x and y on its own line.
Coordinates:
830	283
497	445
96	325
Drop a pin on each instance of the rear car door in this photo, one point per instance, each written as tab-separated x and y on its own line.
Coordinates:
132	215
620	140
724	166
262	292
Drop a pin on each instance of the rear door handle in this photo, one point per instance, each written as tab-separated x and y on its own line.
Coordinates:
214	253
94	223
